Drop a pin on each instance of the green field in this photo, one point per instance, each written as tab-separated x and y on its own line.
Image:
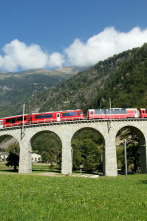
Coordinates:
35	197
36	167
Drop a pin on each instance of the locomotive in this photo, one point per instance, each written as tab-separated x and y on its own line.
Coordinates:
71	115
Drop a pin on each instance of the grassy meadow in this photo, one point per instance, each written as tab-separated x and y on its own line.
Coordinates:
35	197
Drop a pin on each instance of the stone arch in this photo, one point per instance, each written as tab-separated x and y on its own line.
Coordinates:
2	137
142	144
42	132
34	135
89	127
14	149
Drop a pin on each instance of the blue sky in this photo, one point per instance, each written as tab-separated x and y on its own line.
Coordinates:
55	33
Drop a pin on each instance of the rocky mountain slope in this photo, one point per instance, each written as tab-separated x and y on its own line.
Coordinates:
18	88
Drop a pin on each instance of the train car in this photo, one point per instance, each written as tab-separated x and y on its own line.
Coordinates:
71	115
113	113
55	116
14	121
143	112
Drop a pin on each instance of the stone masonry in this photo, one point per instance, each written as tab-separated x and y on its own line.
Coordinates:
65	131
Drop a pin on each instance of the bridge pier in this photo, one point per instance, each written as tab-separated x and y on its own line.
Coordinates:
143	156
110	161
25	161
66	157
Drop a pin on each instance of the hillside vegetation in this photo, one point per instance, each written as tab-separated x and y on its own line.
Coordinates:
18	88
123	78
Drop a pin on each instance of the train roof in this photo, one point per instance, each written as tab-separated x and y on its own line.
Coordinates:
14	116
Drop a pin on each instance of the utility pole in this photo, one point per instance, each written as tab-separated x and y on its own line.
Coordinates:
110	107
125	155
23	113
23	118
107	116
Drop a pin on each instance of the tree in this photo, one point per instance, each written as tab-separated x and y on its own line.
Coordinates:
87	150
13	160
92	156
49	146
13	157
133	153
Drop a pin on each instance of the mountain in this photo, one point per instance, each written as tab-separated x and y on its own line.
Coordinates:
16	88
123	78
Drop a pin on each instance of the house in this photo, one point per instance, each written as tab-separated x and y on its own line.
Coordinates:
3	156
36	157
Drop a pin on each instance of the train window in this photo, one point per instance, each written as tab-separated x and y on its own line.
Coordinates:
13	120
110	111
97	111
49	116
65	114
43	116
79	113
117	111
146	111
71	113
7	120
123	111
103	111
91	112
1	122
20	118
37	116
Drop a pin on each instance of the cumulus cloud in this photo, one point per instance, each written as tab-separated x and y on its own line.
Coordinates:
55	60
99	47
18	54
104	45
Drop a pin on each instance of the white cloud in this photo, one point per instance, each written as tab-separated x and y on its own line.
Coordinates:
18	54
56	60
104	45
99	47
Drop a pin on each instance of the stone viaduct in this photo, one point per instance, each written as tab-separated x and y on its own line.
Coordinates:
66	130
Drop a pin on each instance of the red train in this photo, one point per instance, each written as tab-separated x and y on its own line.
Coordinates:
116	113
57	116
36	118
14	121
70	115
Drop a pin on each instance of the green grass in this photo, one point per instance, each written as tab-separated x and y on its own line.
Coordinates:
4	168
41	168
34	197
36	168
